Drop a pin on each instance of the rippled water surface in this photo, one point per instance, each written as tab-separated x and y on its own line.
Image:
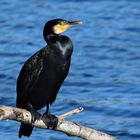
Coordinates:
105	72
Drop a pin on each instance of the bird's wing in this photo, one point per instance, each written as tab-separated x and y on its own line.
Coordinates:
29	75
32	71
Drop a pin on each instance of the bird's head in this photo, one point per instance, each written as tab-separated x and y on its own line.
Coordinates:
58	26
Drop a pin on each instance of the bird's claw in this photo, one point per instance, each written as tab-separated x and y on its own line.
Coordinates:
50	120
35	115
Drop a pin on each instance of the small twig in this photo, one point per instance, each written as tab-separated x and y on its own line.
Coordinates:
70	113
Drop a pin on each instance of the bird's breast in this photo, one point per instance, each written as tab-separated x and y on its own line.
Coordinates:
63	46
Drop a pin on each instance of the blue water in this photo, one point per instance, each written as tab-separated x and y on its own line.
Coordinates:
105	72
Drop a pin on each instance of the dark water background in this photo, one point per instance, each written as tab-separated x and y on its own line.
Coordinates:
105	72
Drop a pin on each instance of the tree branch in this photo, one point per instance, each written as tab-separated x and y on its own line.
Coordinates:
70	128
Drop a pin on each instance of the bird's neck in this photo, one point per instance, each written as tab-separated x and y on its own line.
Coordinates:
64	46
50	38
61	44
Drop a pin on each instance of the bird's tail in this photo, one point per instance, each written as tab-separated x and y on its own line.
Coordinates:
25	129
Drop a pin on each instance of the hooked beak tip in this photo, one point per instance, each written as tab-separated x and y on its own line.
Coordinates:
79	22
75	23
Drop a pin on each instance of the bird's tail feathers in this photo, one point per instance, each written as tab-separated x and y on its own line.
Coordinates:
25	130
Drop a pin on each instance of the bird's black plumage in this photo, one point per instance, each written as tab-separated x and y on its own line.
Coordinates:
43	73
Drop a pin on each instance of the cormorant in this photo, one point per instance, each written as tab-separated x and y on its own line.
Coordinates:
43	73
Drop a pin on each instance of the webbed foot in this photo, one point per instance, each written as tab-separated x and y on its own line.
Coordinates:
50	120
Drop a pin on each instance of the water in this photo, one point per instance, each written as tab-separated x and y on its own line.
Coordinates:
105	72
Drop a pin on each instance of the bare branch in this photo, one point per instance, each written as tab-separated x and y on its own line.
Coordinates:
70	113
70	128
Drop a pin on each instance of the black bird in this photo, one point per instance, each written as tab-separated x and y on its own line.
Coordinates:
43	73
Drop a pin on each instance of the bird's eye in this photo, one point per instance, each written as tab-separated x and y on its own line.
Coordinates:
63	23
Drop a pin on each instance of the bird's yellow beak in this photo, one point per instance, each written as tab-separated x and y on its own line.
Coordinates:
59	28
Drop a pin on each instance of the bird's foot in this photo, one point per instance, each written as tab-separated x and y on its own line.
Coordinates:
50	120
35	115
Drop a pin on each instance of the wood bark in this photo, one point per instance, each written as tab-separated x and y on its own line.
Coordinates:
67	127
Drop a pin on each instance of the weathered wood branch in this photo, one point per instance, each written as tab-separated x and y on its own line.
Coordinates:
70	128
